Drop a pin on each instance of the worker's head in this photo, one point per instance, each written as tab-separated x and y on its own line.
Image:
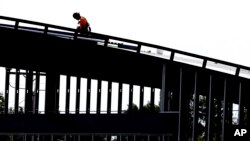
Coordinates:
76	16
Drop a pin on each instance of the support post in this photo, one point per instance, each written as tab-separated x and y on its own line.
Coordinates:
29	92
17	91
52	93
163	90
78	88
7	83
195	110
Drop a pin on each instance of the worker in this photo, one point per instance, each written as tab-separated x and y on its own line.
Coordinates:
83	25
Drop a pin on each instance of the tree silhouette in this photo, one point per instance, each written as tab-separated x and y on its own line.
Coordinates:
145	109
1	103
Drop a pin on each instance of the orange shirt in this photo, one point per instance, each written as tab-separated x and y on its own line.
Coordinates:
83	22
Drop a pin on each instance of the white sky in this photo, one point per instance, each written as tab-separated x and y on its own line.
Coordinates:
215	28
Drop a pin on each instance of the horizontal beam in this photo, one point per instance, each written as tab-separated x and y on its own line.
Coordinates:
90	123
102	36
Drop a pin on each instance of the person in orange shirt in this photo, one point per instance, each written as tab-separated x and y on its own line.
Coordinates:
84	26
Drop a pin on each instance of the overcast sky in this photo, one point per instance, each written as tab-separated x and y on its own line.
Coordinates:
215	28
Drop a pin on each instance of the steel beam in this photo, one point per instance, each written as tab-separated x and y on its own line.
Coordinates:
152	100
195	110
17	91
120	98
241	107
225	106
99	83
52	93
180	136
78	89
88	95
109	97
141	98
29	92
37	89
67	94
164	99
210	111
130	106
7	83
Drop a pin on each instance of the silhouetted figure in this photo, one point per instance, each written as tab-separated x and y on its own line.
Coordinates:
84	26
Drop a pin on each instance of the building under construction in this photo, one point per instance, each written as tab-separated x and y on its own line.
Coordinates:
201	98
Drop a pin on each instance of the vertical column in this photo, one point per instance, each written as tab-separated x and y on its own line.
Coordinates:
237	71
120	98
46	30
79	138
108	138
16	25
195	110
168	101
141	97
109	97
152	100
241	107
17	91
29	92
246	93
210	111
67	94
65	137
183	102
139	48
99	83
225	106
163	90
78	85
180	126
7	82
207	113
88	95
248	114
52	93
37	92
206	85
130	106
173	87
172	56
230	112
218	119
57	86
23	137
204	64
119	138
